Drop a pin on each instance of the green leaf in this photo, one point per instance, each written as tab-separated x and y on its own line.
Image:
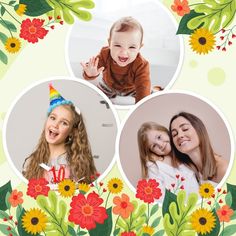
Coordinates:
116	231
183	28
156	222
216	15
3	10
36	8
105	228
4	59
71	231
229	230
7	201
5	188
20	228
19	210
154	209
233	217
3	38
232	189
82	233
3	229
159	233
3	215
228	199
169	198
8	25
12	2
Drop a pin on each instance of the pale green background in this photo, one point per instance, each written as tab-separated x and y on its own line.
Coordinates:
211	76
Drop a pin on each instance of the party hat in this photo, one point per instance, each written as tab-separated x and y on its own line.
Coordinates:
56	99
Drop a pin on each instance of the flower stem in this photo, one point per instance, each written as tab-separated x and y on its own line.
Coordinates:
6	26
11	15
107	199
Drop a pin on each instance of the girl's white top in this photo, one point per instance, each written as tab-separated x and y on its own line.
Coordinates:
165	175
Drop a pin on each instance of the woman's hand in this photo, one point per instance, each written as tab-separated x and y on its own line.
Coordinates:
91	68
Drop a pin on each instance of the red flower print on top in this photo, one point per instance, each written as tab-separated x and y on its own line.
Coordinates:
15	198
32	30
37	187
148	191
87	212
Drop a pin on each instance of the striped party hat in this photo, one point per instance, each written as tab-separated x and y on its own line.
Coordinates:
56	99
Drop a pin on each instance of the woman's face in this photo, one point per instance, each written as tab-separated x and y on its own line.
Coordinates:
158	142
58	125
184	136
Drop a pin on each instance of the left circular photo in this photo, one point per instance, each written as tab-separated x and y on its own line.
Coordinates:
61	128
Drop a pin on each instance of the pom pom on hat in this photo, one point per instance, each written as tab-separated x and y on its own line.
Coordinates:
56	99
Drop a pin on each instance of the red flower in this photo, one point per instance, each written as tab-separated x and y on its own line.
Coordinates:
224	213
86	212
147	190
15	198
181	8
32	30
37	187
128	234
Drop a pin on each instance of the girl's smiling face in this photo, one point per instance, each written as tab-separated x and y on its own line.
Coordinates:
158	142
185	137
125	46
58	125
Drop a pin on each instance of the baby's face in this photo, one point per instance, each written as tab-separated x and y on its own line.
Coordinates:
125	46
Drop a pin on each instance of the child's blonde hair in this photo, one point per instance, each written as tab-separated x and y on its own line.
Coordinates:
126	24
79	155
145	153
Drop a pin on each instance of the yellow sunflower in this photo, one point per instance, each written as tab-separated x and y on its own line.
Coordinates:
83	188
66	188
203	221
115	185
148	230
202	41
21	9
12	45
34	221
206	190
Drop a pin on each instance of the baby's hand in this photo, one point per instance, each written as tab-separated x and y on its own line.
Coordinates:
91	68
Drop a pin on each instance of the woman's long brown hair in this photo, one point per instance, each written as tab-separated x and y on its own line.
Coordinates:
79	154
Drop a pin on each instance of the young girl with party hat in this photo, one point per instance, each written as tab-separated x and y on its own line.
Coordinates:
63	150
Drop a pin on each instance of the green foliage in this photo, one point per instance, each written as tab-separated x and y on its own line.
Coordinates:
3	37
36	8
136	219
8	25
232	189
67	8
3	192
229	230
56	211
105	228
216	15
179	211
183	28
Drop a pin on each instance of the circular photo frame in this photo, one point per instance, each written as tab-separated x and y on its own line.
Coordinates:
162	48
137	134
27	118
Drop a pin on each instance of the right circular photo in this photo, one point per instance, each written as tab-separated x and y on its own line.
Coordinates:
177	138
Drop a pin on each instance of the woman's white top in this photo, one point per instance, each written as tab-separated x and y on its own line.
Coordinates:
165	175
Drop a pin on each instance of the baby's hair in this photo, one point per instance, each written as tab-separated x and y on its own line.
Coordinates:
79	154
126	24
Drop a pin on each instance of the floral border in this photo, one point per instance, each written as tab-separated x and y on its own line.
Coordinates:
104	209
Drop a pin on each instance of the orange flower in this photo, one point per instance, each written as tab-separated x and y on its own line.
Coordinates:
181	8
15	198
224	213
123	206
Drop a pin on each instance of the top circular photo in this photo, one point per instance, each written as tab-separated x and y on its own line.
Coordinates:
127	52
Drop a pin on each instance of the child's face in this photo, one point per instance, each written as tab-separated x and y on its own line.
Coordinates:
158	142
125	46
58	125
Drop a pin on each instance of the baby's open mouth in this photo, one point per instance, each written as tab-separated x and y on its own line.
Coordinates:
123	59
